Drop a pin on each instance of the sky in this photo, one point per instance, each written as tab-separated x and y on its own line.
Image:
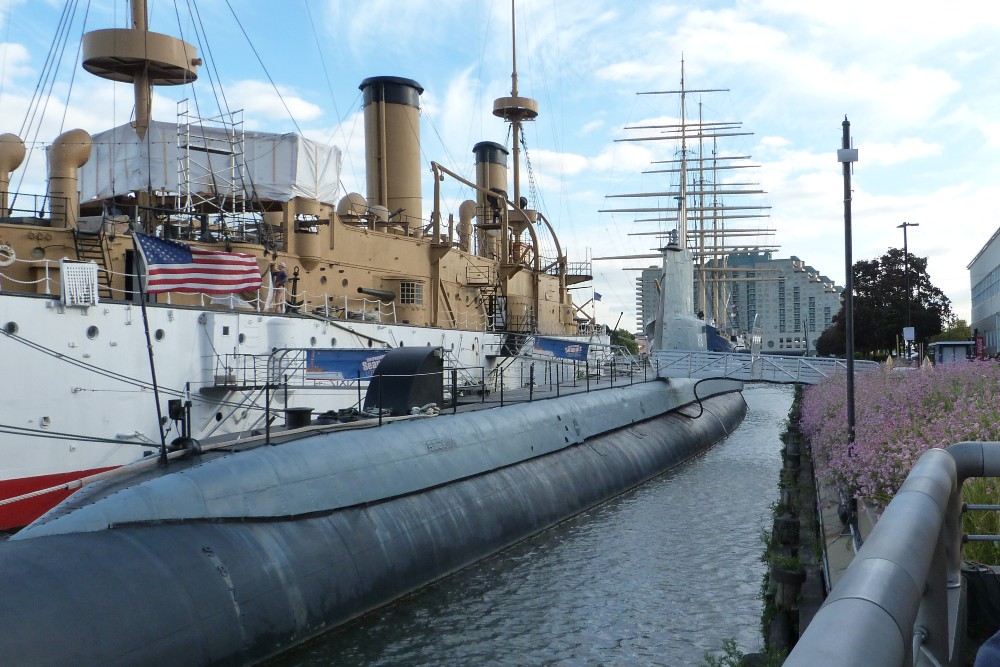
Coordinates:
916	80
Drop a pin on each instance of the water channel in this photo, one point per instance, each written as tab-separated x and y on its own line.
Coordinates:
656	576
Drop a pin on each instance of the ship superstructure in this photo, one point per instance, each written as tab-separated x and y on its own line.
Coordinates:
358	272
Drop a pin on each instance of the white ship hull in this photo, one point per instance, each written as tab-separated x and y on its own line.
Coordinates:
79	399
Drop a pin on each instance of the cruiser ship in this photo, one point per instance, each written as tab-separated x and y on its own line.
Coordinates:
262	274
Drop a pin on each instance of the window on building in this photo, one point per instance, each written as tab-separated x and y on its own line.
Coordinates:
411	293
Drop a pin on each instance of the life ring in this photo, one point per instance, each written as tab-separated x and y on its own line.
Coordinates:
7	256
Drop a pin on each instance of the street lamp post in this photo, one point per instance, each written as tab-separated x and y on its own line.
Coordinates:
906	276
846	156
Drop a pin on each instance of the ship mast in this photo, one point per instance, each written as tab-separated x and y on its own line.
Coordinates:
140	57
515	110
708	206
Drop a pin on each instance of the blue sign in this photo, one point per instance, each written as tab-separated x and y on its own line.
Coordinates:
342	364
561	349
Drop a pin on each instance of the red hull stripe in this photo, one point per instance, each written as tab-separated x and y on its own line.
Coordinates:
24	512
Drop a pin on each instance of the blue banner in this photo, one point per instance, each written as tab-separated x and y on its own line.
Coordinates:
342	364
561	349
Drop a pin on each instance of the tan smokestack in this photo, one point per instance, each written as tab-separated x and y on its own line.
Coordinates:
466	212
11	157
491	174
67	154
392	146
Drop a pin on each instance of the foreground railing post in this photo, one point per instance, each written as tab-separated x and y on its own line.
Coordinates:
454	391
901	600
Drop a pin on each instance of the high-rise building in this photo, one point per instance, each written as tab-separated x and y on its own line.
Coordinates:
792	301
647	295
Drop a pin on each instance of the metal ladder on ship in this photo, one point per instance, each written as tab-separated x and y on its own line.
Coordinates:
90	247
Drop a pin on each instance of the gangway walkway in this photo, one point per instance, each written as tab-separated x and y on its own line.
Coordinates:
751	367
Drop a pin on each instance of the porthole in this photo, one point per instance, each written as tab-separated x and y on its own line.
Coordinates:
218	416
370	342
10	327
92	332
322	280
160	334
770	343
333	342
242	338
344	282
453	347
312	341
401	343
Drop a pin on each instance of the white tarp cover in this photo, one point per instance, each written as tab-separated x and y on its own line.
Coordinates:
280	166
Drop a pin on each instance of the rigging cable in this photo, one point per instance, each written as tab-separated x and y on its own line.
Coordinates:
58	435
36	108
266	73
141	384
329	87
6	43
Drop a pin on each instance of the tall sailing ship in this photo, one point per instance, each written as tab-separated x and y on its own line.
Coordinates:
705	213
261	271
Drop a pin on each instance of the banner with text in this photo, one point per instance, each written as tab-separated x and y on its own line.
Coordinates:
342	364
560	349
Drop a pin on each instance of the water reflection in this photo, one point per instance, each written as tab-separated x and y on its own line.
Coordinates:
654	577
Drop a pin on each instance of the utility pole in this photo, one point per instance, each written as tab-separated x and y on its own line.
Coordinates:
906	275
847	156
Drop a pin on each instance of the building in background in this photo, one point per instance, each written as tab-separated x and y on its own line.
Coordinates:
794	302
647	295
984	278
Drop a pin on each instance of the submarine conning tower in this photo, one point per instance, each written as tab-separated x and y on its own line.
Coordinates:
491	175
392	147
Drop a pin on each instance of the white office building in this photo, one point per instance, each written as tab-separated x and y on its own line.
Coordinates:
984	278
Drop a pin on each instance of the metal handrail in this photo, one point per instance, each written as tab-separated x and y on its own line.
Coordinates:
901	601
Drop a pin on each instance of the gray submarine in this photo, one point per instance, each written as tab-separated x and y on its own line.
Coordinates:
232	557
239	550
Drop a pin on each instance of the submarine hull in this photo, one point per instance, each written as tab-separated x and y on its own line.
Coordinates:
232	591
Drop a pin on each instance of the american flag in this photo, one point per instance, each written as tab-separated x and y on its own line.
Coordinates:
172	266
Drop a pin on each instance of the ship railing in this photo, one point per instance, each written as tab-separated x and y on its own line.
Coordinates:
350	308
526	378
46	282
288	379
902	600
30	209
256	370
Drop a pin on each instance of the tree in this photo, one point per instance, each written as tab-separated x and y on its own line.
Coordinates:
957	330
880	306
625	339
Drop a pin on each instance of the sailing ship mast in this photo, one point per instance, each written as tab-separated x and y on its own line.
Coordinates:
710	238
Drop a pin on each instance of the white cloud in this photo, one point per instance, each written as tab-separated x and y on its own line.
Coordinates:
261	102
901	151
